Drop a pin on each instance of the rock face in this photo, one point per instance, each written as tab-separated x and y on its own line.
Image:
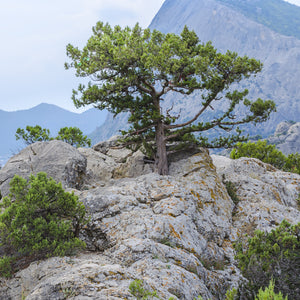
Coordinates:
60	160
286	137
174	232
267	195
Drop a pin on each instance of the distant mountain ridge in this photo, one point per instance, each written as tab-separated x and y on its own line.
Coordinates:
48	116
229	29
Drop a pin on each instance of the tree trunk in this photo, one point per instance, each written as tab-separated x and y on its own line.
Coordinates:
161	159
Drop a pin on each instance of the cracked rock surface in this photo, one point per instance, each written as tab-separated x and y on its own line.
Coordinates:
58	159
174	232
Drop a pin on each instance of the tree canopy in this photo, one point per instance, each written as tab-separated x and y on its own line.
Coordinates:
70	135
132	70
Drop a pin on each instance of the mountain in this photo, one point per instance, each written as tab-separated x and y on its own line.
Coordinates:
47	116
274	14
231	25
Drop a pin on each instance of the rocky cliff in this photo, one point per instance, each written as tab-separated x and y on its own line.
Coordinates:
286	137
229	29
174	232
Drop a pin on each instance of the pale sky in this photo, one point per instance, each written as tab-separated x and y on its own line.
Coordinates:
34	35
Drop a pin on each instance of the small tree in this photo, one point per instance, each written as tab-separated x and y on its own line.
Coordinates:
132	70
39	219
33	134
70	135
73	136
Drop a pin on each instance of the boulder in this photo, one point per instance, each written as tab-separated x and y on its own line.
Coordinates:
58	159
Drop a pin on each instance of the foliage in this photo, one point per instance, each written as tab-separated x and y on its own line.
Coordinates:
73	136
268	154
132	70
261	150
292	163
269	294
137	289
70	135
278	15
231	294
274	255
231	190
39	219
33	134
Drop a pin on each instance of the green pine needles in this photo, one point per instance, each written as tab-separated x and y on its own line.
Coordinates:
133	70
70	135
268	154
272	256
38	220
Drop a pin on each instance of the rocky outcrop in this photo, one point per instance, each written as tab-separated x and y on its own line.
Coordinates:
266	195
174	232
106	160
286	137
60	160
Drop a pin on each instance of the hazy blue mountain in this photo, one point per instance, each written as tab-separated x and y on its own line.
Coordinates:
230	25
48	116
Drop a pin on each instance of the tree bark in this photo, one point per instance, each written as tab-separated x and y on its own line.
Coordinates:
161	159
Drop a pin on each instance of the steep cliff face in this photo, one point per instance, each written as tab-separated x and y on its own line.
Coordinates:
229	29
174	232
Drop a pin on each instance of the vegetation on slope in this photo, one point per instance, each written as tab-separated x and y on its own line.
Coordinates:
38	219
277	15
268	154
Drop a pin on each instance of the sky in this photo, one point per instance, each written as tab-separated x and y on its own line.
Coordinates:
34	35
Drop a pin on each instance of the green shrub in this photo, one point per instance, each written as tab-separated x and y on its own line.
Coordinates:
73	136
269	294
268	154
261	150
39	219
292	163
231	190
137	289
274	255
70	135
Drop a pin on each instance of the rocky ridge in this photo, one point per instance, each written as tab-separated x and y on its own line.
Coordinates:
286	137
175	232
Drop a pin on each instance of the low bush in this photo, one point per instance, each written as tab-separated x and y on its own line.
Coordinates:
38	220
269	294
268	154
274	255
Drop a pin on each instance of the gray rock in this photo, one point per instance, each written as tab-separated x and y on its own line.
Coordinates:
174	232
286	137
100	167
267	195
58	159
